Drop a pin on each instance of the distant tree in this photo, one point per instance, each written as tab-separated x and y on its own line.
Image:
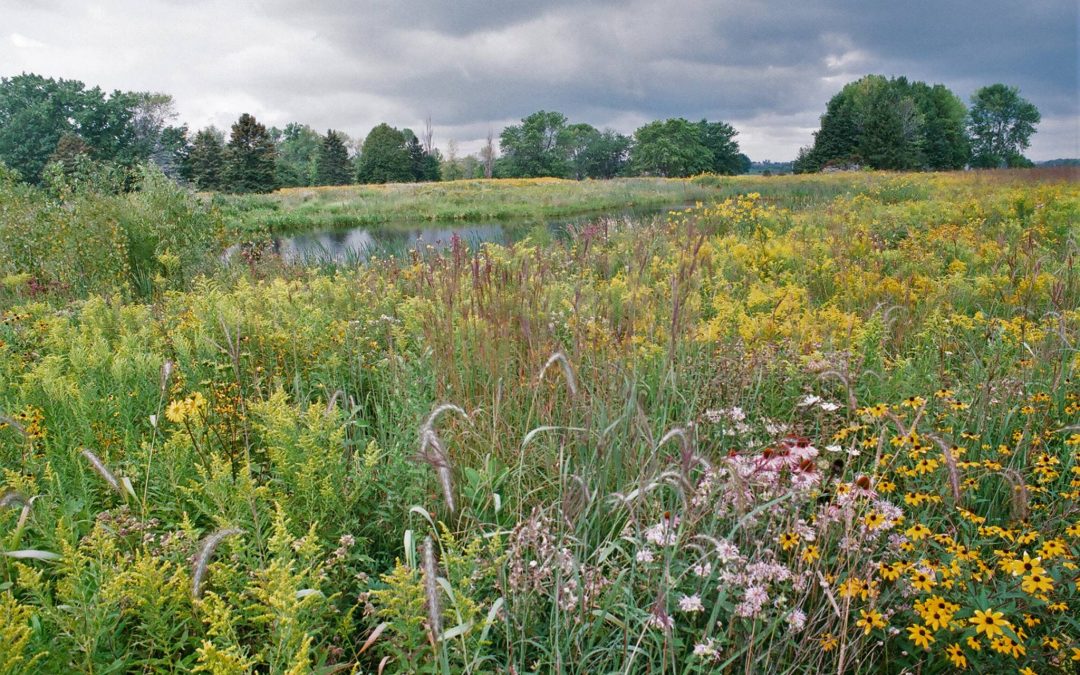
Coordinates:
469	167
384	157
298	147
70	149
332	161
171	150
539	146
945	144
488	155
35	112
423	165
1001	123
205	164
451	169
677	147
428	137
249	157
889	124
888	132
743	164
596	154
719	139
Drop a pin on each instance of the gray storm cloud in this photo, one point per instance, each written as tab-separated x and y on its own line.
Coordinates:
473	65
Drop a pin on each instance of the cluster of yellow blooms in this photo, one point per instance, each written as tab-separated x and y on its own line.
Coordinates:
186	409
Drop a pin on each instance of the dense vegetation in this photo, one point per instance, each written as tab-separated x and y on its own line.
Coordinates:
901	125
874	122
826	423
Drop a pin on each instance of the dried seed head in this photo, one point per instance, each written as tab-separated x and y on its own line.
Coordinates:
568	372
166	373
434	452
102	470
431	590
206	551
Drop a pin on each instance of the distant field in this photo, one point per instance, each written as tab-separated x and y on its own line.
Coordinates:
809	424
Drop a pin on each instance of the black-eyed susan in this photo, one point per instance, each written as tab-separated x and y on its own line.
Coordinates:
920	636
956	655
868	621
988	622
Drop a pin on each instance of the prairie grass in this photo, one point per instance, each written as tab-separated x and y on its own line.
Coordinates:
810	424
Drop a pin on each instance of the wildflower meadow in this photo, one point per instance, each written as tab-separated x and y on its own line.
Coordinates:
806	424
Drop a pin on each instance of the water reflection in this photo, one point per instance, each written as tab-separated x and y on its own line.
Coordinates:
357	244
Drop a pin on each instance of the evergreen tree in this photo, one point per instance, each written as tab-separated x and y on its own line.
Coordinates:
384	157
70	151
424	165
885	136
205	164
889	124
250	157
332	162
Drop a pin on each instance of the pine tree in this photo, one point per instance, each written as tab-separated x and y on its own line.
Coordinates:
249	157
332	162
205	163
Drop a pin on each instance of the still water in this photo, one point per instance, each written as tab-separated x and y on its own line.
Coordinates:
357	244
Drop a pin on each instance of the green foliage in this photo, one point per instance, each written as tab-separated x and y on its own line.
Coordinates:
205	164
597	154
37	112
332	166
616	509
87	235
537	147
384	157
299	148
676	148
1001	123
423	165
889	124
249	158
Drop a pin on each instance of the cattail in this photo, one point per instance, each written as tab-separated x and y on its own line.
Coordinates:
568	372
431	590
434	452
206	551
102	470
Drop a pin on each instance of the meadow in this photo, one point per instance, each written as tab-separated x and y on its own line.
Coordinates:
809	424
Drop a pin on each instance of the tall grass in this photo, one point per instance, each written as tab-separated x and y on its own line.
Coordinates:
788	432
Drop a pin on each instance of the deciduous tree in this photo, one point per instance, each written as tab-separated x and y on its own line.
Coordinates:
1001	123
384	157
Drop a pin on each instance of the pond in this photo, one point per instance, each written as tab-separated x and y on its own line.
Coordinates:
357	244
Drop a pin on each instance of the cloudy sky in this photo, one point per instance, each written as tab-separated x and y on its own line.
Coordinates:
473	65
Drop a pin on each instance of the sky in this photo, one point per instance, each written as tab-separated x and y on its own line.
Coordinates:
474	66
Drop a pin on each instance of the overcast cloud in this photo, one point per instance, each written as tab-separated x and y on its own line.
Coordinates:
473	65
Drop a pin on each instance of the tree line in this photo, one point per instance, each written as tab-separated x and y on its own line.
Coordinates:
60	127
52	129
893	123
